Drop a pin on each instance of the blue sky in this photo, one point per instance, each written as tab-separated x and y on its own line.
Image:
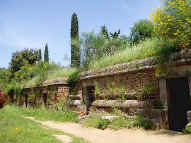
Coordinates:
32	23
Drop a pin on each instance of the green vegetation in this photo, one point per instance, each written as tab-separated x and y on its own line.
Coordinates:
23	58
95	46
73	78
148	48
16	129
120	123
168	31
96	121
75	44
49	114
188	130
172	22
53	71
46	54
104	32
141	30
140	122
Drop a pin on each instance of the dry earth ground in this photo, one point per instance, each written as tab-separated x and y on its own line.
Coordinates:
121	136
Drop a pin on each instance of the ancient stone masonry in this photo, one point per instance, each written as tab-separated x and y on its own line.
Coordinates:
180	58
124	85
51	92
189	116
132	87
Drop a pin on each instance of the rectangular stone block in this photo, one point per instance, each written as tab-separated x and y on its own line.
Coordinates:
189	116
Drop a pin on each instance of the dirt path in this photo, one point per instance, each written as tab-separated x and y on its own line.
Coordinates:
121	136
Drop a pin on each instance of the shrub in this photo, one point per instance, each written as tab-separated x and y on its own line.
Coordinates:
103	123
96	122
172	22
119	123
188	129
72	80
142	122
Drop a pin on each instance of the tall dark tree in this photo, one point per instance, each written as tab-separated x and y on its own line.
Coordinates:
75	44
46	54
40	55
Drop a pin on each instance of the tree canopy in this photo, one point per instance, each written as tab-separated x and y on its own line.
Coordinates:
24	57
172	22
140	31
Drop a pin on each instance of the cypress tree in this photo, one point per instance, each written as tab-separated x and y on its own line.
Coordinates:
40	55
75	44
46	54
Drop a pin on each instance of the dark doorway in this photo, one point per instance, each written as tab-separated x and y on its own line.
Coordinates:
45	98
88	93
178	103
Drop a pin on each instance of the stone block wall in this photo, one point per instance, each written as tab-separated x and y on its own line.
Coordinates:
129	84
122	90
47	95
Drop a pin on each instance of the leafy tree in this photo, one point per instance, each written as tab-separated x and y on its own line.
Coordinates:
24	57
104	32
115	35
140	31
95	46
75	44
46	54
172	22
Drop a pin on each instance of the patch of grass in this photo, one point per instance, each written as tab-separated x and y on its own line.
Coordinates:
96	122
140	122
148	48
54	71
48	114
119	123
61	72
15	129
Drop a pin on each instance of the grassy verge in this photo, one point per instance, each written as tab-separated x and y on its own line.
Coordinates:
14	128
148	48
44	114
96	121
53	72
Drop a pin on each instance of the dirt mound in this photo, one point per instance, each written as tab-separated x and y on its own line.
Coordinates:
3	99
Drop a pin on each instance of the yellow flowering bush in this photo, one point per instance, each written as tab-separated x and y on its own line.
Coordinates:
172	22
